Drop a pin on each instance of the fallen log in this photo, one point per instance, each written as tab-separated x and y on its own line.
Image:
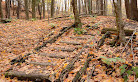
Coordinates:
73	43
20	59
52	40
114	31
79	74
82	38
42	64
91	72
101	41
52	55
31	76
5	20
65	49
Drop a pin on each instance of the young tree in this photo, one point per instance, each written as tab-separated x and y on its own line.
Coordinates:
52	8
119	21
1	13
26	9
76	14
43	3
33	9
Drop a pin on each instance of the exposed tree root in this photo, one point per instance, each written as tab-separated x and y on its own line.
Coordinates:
78	75
101	41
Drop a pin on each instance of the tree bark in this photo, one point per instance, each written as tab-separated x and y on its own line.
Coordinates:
18	9
7	4
52	8
76	14
40	10
26	9
1	13
101	9
119	21
128	9
134	10
89	6
105	7
43	3
33	9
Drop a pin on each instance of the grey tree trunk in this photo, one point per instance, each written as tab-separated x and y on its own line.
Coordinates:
26	9
18	9
119	21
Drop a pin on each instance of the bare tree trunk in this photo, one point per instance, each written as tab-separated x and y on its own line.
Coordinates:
76	14
40	10
101	9
33	9
86	8
43	3
52	8
89	6
18	9
1	13
26	9
13	7
105	7
134	10
119	21
7	4
79	6
128	9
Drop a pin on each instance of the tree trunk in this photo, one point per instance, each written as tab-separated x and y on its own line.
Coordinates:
13	7
128	9
18	9
119	21
1	13
134	10
52	8
76	14
7	4
105	7
79	6
40	10
86	8
43	3
26	9
33	9
89	6
101	9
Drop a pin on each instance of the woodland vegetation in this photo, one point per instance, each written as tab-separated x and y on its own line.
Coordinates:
69	40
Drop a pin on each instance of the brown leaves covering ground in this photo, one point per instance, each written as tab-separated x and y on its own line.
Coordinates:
21	36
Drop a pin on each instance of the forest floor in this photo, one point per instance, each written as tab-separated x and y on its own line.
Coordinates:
20	37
